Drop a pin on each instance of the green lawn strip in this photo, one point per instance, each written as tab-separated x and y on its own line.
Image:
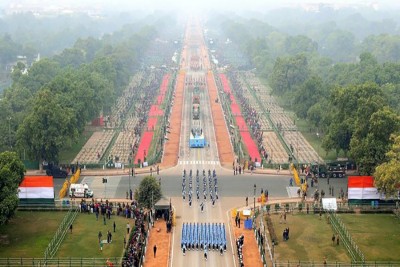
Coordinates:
310	240
29	233
377	235
83	242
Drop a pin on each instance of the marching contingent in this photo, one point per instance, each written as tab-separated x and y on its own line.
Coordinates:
212	187
202	235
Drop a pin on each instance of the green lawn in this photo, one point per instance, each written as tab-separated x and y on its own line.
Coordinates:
28	233
310	240
377	235
83	242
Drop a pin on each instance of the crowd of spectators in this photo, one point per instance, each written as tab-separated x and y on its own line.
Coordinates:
239	246
250	114
135	249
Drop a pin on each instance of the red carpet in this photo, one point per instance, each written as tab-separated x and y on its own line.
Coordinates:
251	146
155	111
151	123
160	99
240	122
144	146
225	83
236	110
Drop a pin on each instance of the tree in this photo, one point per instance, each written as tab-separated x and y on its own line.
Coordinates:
369	149
288	73
387	174
307	95
11	174
47	128
149	192
352	108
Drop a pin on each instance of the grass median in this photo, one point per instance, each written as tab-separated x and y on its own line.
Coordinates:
309	239
83	241
377	235
28	233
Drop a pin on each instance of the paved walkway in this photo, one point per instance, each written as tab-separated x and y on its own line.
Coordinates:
251	255
162	239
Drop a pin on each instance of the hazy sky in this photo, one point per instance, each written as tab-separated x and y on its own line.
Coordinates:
196	4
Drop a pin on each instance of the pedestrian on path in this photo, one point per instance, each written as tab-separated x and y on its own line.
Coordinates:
247	201
155	250
70	228
114	225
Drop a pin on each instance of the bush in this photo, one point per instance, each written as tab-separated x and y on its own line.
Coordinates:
271	230
376	211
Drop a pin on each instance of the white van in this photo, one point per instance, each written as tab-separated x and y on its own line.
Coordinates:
80	190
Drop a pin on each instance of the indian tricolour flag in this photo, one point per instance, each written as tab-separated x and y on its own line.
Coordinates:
36	190
361	189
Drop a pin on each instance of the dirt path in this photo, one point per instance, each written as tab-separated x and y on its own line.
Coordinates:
171	149
162	240
225	151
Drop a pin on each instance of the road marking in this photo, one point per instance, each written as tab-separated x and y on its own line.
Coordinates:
198	162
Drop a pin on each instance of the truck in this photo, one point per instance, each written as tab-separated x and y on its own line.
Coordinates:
55	171
80	190
328	170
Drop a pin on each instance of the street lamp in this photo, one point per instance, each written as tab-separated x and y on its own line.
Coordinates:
255	188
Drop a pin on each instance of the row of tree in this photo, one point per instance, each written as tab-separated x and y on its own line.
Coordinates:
45	110
324	43
355	105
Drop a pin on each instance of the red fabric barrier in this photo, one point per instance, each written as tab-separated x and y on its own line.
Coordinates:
144	146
